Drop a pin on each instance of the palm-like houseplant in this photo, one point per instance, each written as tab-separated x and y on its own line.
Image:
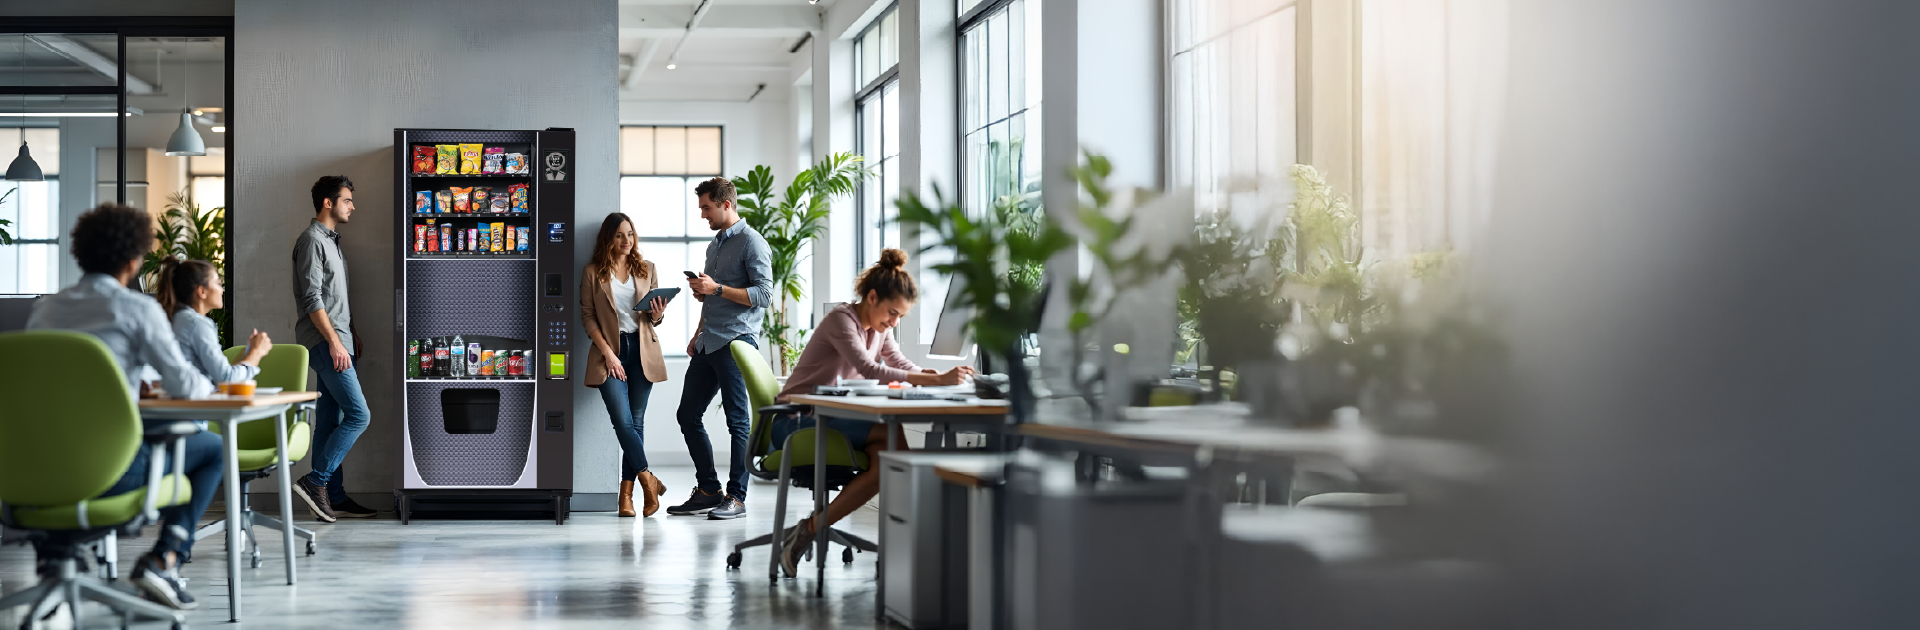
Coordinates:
187	232
789	223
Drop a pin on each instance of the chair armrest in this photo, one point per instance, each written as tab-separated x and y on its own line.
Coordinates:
773	409
167	430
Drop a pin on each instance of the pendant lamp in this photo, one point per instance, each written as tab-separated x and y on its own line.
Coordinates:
23	168
186	140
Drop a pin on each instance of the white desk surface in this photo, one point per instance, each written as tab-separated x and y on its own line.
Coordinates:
883	406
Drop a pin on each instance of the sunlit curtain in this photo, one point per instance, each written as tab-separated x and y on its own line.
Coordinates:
1432	80
1233	107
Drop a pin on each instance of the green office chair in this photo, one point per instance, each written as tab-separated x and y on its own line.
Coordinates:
285	366
67	433
793	460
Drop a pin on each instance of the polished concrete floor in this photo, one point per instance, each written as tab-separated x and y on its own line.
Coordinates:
597	571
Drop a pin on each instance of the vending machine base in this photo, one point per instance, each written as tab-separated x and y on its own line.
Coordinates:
457	503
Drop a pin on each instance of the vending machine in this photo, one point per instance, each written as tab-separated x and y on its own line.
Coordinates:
483	279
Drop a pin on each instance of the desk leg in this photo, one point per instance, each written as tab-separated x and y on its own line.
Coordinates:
880	558
981	555
819	507
234	550
286	494
1203	527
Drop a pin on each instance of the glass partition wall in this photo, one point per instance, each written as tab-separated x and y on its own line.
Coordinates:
96	110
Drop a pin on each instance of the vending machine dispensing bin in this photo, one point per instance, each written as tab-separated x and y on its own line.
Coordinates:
483	278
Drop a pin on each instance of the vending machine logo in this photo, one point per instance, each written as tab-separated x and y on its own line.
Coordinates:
555	165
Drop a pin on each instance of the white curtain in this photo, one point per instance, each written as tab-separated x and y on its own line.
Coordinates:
1432	81
1233	110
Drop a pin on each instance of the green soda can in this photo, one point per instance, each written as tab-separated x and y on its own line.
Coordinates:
413	358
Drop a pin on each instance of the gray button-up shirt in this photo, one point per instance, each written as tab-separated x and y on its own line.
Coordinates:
130	323
320	282
738	257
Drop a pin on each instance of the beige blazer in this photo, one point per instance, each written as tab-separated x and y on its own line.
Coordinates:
595	300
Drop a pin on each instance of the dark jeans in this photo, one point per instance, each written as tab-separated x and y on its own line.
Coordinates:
340	416
204	468
627	407
707	374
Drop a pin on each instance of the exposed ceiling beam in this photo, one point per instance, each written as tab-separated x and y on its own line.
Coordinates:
641	62
784	21
692	23
87	58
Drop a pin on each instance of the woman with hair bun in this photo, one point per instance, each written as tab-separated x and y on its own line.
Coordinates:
187	290
856	341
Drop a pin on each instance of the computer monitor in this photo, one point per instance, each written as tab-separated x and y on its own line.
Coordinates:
950	333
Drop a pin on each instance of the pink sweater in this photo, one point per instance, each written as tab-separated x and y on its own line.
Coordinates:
841	348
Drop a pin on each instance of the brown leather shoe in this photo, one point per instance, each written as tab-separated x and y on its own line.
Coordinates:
626	497
650	492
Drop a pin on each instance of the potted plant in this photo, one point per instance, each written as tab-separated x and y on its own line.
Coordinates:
187	232
789	223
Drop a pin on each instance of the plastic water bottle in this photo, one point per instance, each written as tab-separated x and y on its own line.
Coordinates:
458	358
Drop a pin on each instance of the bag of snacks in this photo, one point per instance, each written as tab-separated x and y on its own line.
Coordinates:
512	240
443	202
446	238
523	238
462	199
419	238
493	161
516	163
486	241
480	198
422	202
500	203
448	162
518	193
423	159
499	237
470	159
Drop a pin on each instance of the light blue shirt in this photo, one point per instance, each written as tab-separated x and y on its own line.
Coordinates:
200	342
132	326
738	257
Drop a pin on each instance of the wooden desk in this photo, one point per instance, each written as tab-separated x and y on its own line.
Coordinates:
230	412
893	412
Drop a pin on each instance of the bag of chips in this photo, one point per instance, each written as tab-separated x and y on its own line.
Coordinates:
462	200
480	198
500	203
523	238
516	163
420	238
469	159
512	238
486	241
518	194
493	161
422	202
448	162
499	236
443	201
423	158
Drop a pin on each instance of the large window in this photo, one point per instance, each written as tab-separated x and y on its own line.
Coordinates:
32	263
877	108
1000	121
659	168
1233	108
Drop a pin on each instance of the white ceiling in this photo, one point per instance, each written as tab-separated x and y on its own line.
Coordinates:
737	46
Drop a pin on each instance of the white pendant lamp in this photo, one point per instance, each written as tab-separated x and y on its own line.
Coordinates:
186	140
23	168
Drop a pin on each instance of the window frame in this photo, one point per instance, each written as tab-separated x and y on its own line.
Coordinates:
687	179
975	18
864	217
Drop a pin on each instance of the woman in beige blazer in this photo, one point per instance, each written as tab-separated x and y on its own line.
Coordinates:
626	360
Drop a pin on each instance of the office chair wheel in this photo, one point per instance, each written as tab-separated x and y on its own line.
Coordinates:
310	548
180	626
846	556
256	561
733	560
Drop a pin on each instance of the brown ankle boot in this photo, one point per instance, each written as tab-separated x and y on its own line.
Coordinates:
650	491
626	497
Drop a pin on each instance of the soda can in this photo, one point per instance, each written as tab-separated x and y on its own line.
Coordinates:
486	363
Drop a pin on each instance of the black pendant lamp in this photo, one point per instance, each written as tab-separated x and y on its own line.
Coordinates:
23	168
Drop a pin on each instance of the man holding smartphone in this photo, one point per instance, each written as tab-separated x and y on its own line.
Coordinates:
734	292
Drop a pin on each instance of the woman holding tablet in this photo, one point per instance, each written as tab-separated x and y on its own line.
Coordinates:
626	360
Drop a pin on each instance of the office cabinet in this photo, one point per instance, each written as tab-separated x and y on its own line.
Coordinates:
924	533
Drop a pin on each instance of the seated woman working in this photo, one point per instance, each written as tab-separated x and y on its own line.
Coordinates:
187	290
856	341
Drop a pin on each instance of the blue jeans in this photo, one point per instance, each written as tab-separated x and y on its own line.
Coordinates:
707	374
341	416
204	467
627	407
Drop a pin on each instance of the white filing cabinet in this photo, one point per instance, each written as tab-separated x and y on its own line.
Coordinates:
924	540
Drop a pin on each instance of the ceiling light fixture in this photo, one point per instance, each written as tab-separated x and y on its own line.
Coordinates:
670	66
219	128
186	140
23	168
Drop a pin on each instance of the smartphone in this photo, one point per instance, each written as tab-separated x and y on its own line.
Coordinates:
691	275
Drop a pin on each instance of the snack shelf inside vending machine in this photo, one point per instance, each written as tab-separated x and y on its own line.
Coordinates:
470	201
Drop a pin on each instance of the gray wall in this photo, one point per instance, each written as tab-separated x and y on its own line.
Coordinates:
319	88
